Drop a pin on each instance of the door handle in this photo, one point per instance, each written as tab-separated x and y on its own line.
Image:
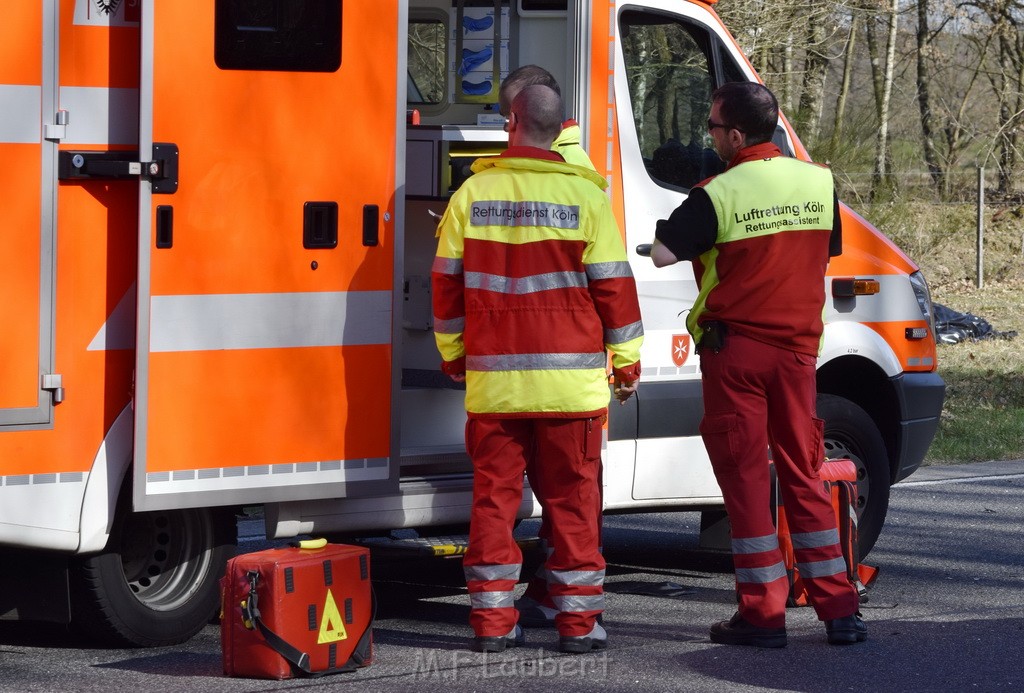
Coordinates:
162	171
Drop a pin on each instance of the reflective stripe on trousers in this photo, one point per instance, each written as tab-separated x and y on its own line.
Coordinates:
490	586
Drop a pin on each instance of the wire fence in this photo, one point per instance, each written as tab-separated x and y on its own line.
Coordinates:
953	188
964	197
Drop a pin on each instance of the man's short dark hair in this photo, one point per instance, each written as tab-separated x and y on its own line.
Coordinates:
521	77
539	110
749	107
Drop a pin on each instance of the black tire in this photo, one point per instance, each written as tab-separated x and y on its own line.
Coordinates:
851	433
156	583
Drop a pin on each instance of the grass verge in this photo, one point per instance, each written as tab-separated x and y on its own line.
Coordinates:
983	416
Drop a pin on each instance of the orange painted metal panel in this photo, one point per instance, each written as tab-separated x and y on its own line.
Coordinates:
19	275
21	53
78	428
215	413
914	354
603	133
95	252
866	250
96	242
255	146
20	64
98	56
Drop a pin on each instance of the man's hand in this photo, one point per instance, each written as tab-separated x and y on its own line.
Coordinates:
458	377
661	255
623	390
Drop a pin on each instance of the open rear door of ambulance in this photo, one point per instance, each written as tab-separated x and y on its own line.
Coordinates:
266	252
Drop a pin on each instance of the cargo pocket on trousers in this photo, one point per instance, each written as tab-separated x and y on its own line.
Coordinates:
817	454
592	440
719	434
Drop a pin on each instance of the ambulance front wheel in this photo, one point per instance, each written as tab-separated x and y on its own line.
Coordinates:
156	583
851	433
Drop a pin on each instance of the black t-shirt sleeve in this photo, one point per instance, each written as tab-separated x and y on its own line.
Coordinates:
835	241
692	228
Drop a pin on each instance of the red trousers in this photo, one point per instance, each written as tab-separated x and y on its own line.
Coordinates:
537	586
756	397
566	466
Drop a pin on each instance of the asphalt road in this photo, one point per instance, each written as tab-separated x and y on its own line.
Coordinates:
947	614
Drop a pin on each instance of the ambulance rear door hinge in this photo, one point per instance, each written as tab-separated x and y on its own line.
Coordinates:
54	383
162	171
58	129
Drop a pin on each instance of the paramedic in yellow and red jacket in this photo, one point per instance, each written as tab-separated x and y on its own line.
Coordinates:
535	606
531	290
760	236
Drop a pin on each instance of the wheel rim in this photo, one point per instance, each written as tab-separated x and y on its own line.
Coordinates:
164	555
837	449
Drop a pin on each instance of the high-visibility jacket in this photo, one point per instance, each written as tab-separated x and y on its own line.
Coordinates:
531	287
568	145
764	277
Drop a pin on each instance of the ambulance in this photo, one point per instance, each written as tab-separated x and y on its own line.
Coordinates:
216	235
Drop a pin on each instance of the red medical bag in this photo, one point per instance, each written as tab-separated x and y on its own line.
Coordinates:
297	611
840	479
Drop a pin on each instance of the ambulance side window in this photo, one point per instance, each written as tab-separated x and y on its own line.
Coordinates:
733	73
428	58
278	35
670	85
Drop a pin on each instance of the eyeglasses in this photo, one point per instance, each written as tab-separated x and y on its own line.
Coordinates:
712	125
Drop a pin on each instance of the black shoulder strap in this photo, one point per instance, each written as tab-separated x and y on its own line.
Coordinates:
298	659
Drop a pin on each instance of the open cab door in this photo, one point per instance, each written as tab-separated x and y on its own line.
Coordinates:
266	252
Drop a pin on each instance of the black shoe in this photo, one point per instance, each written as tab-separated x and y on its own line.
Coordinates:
596	639
846	631
737	631
498	643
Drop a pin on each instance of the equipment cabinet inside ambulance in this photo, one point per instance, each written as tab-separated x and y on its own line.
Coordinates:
215	250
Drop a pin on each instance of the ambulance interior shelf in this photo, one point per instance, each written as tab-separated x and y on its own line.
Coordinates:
438	157
438	160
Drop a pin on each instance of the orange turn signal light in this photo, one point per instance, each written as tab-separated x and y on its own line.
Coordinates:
847	287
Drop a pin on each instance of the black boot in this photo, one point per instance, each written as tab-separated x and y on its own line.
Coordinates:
738	631
848	630
498	643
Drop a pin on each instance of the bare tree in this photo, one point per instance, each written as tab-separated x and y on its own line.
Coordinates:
844	89
936	69
768	33
427	71
812	94
880	174
640	47
924	85
1008	81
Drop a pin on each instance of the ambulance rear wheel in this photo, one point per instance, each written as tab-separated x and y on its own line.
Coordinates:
851	433
156	583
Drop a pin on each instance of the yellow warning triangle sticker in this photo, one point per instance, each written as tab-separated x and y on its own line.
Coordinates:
332	627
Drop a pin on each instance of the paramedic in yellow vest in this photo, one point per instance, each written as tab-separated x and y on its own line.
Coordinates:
531	291
536	608
760	235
